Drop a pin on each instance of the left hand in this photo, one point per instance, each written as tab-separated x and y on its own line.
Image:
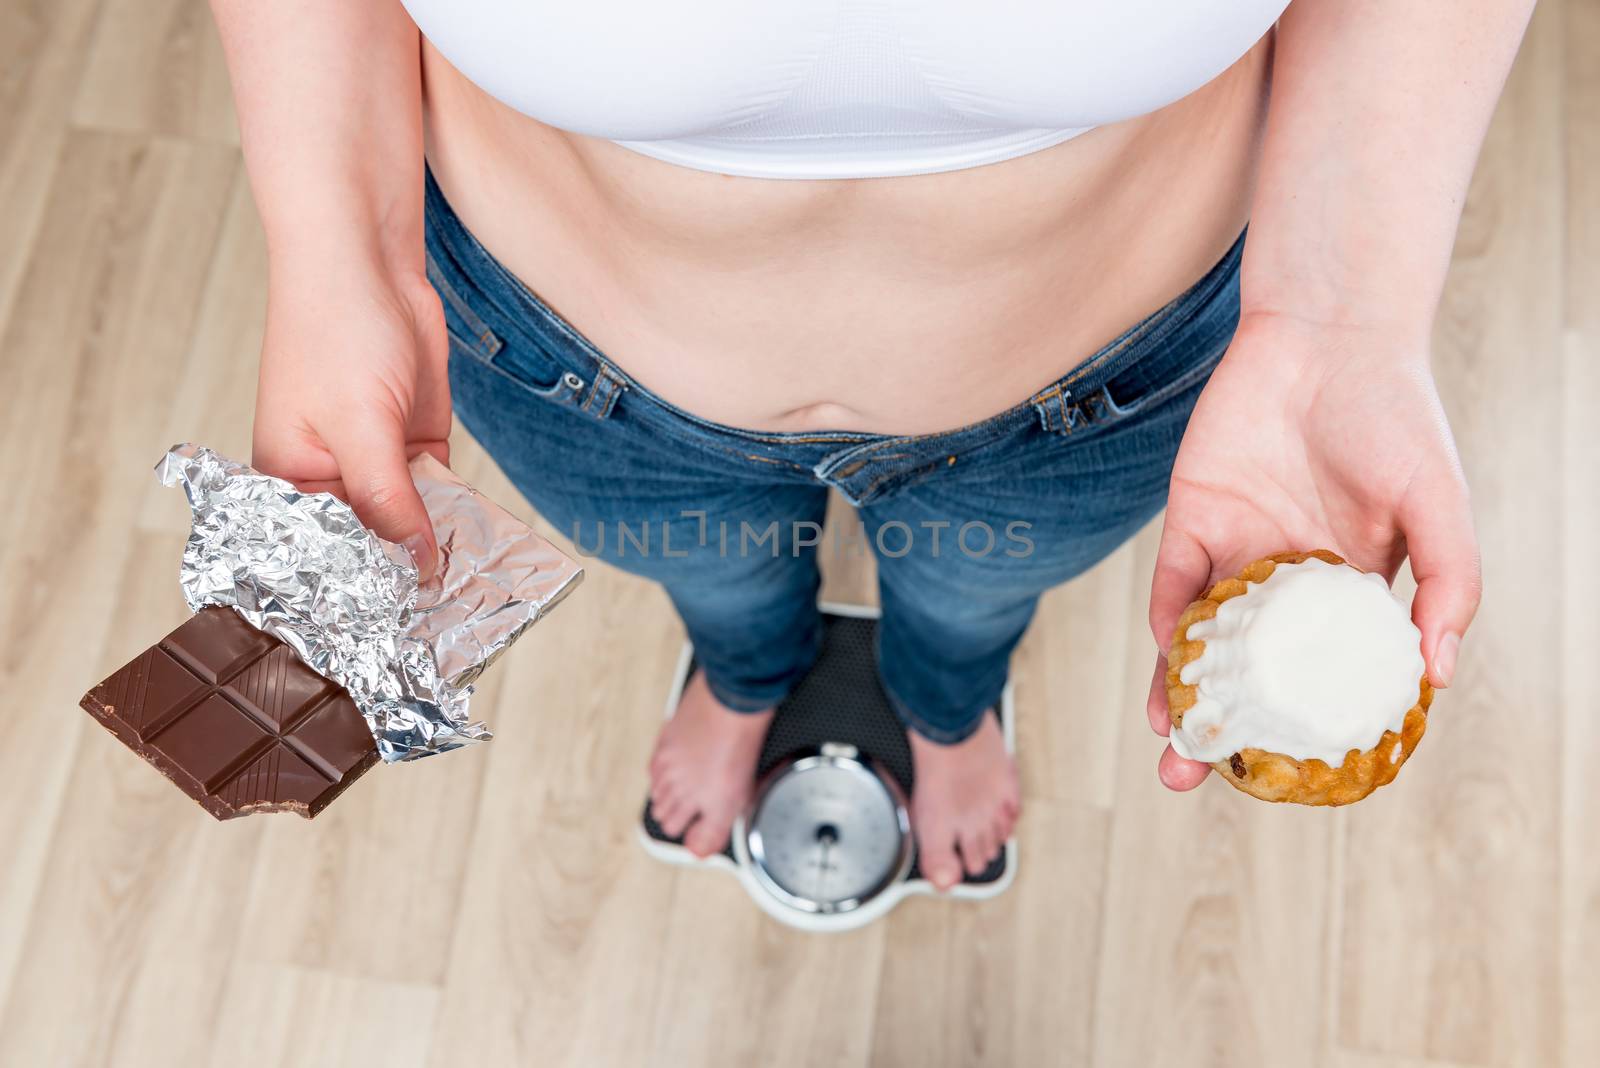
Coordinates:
1317	436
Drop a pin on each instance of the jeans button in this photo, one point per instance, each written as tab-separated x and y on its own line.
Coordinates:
572	381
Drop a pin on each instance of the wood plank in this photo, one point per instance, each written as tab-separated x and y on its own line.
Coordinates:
132	931
1580	514
41	51
1073	695
91	348
1005	981
1450	946
213	403
560	903
849	571
1339	1058
791	998
156	66
280	1016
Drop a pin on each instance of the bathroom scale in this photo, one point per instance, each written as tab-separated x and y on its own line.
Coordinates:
825	843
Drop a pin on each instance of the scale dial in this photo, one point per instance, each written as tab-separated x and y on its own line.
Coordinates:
828	831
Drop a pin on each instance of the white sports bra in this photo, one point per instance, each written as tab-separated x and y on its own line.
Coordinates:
840	88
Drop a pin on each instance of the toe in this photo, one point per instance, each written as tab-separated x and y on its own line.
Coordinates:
938	857
660	759
988	846
675	817
708	835
662	793
975	850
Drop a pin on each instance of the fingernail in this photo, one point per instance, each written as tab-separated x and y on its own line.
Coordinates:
1444	658
421	558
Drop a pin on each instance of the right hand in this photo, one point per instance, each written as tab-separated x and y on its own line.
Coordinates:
353	384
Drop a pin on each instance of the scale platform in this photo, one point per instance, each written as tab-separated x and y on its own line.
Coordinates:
837	715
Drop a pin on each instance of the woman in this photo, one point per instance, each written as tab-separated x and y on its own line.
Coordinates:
980	267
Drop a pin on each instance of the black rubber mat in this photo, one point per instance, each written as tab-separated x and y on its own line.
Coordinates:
840	700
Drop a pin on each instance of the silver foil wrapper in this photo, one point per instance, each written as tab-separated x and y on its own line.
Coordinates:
302	567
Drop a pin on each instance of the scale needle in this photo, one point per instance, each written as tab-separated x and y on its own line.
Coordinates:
826	836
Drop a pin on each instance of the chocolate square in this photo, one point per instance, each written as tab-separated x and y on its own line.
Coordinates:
334	737
277	689
215	652
213	738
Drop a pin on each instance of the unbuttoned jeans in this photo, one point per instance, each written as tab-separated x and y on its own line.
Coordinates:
969	527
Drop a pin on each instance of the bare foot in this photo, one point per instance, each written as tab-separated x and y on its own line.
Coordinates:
703	769
965	803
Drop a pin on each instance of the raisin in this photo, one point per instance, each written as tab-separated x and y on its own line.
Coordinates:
1236	762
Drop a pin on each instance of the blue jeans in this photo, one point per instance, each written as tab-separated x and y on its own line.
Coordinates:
969	527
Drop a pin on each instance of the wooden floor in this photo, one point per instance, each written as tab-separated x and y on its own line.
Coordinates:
492	907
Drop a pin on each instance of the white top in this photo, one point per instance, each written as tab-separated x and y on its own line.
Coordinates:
840	88
1318	660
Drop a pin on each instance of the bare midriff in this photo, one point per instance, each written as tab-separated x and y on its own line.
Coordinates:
889	305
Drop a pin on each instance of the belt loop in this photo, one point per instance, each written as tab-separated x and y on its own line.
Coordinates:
1056	414
603	392
1043	410
1047	403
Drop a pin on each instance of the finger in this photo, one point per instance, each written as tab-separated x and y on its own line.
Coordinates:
371	451
439	450
1156	704
1176	773
334	486
1444	559
1182	568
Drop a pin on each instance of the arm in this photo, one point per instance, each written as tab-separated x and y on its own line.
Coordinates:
1379	108
353	362
1321	427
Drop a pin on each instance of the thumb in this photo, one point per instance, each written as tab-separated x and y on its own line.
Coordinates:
1182	569
1444	560
372	464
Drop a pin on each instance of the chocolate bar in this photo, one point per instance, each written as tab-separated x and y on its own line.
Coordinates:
238	721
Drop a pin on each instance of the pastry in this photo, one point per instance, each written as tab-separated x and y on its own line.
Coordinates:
1300	680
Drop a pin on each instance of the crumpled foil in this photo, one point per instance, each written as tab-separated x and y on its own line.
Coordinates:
302	567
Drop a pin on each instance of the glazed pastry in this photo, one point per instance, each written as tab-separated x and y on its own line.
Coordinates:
1300	680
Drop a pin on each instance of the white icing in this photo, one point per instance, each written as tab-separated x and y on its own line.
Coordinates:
1318	660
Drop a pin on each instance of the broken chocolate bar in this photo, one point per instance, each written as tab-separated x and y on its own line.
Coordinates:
238	721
